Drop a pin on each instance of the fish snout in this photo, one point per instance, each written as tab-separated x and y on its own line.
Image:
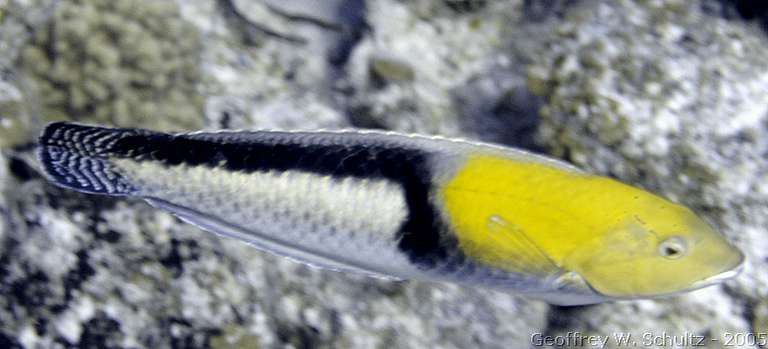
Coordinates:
728	273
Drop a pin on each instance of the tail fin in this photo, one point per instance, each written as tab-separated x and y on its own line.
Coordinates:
77	157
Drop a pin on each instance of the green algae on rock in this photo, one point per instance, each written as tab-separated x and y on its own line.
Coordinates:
235	337
632	84
126	63
14	121
390	70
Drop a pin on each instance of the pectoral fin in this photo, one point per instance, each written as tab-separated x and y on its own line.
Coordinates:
520	252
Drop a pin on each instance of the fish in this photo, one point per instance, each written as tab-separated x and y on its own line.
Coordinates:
406	207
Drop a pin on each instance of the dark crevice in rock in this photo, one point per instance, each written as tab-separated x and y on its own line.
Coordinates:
335	323
518	113
181	252
110	236
21	170
182	334
361	117
30	291
510	118
303	337
99	332
9	342
9	245
173	260
57	309
466	6
63	342
71	201
563	319
41	326
78	275
306	19
541	10
353	25
252	33
749	10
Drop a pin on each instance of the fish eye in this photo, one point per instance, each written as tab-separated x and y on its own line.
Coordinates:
672	248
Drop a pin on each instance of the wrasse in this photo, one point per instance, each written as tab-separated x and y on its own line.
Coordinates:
406	207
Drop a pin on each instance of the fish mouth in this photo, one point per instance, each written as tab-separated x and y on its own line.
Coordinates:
723	276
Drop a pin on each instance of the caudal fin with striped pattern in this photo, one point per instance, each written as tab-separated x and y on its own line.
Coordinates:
78	157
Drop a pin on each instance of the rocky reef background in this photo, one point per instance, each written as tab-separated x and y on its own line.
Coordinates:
669	95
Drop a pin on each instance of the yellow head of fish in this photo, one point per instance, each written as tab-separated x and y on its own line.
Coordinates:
656	248
599	238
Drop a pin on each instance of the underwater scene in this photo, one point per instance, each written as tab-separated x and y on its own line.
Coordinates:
383	174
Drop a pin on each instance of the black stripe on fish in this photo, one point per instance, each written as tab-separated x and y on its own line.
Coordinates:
423	236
